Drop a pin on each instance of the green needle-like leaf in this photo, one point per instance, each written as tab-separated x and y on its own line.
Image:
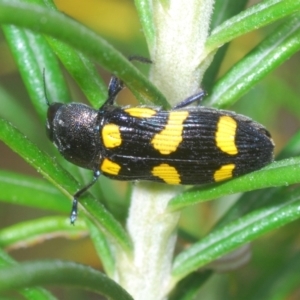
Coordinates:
102	246
60	273
24	190
279	173
61	27
33	54
237	233
223	10
60	178
253	18
80	67
32	293
144	8
268	55
34	231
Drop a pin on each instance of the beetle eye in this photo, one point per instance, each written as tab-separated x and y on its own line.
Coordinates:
52	110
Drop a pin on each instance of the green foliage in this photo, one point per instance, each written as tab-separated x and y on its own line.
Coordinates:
271	197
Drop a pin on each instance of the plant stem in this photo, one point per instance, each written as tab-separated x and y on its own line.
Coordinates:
146	275
180	32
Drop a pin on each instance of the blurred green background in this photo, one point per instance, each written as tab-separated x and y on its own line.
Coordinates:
274	102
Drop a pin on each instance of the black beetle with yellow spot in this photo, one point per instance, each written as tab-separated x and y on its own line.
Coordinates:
186	145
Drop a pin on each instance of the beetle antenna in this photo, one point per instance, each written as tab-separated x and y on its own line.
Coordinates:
141	59
45	89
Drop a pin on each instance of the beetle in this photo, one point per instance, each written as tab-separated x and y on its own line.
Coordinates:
184	145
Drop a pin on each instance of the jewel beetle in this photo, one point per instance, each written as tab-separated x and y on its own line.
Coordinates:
184	145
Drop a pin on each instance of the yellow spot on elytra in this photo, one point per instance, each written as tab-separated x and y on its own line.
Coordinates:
170	137
110	167
225	135
167	173
140	112
111	136
225	172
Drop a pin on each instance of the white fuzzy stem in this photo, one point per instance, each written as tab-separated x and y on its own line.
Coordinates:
181	29
146	275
